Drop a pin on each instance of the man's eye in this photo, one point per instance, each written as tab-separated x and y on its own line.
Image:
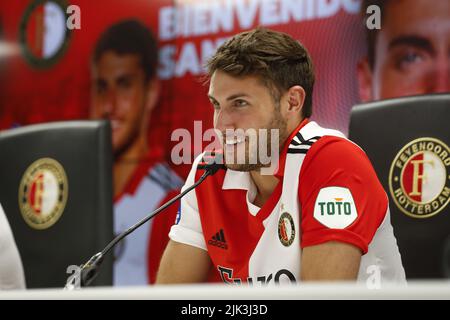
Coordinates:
240	103
409	58
215	105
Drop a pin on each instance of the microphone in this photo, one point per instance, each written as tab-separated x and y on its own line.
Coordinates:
211	163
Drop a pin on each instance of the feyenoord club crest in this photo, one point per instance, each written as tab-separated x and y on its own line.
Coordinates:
286	229
43	193
419	179
43	33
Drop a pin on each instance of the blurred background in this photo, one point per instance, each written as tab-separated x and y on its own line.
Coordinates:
139	64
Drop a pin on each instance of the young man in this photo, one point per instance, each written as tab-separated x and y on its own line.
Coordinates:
125	91
323	215
410	54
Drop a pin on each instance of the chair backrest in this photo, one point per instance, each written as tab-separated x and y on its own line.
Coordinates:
56	190
407	141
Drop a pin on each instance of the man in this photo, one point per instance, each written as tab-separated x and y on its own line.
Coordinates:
12	276
125	91
410	54
323	215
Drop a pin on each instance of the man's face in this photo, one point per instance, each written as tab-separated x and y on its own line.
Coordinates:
119	94
412	49
244	103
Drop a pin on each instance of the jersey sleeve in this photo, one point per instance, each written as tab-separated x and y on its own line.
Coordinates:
340	195
187	228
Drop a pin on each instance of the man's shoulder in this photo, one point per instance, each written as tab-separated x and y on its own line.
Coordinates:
163	175
335	150
149	183
338	161
313	130
320	144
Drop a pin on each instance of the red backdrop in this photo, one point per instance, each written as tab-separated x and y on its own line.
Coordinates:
330	29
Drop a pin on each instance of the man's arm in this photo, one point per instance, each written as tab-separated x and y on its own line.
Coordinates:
330	261
342	206
182	263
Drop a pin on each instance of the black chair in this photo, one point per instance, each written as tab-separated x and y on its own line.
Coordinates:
56	190
407	141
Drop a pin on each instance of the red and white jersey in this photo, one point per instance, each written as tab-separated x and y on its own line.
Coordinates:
328	191
149	187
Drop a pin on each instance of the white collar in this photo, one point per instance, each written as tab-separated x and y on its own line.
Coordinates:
237	180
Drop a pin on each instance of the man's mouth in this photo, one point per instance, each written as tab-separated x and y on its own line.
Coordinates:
115	124
234	141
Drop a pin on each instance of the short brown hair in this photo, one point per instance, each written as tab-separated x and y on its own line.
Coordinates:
275	57
130	37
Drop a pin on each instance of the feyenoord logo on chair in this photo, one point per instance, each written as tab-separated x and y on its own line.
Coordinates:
43	33
419	178
43	193
286	229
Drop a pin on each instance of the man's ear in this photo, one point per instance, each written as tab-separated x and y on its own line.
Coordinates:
153	89
365	79
295	99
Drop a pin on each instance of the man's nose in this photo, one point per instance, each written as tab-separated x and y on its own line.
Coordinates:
110	103
224	120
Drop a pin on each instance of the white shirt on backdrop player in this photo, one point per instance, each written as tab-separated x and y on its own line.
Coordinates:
269	256
11	269
130	266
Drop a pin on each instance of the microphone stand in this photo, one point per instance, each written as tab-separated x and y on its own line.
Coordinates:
89	271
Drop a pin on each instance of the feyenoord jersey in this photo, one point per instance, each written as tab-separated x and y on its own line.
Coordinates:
327	191
147	190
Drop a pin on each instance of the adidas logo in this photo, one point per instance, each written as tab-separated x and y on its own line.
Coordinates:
218	240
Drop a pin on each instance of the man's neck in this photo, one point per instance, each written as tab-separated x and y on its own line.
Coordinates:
126	163
265	185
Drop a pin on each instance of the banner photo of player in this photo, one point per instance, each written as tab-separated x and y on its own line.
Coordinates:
188	33
409	55
51	69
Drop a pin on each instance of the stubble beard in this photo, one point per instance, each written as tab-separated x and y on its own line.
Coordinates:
277	123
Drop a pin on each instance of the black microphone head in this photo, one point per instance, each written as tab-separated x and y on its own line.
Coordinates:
212	161
89	271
